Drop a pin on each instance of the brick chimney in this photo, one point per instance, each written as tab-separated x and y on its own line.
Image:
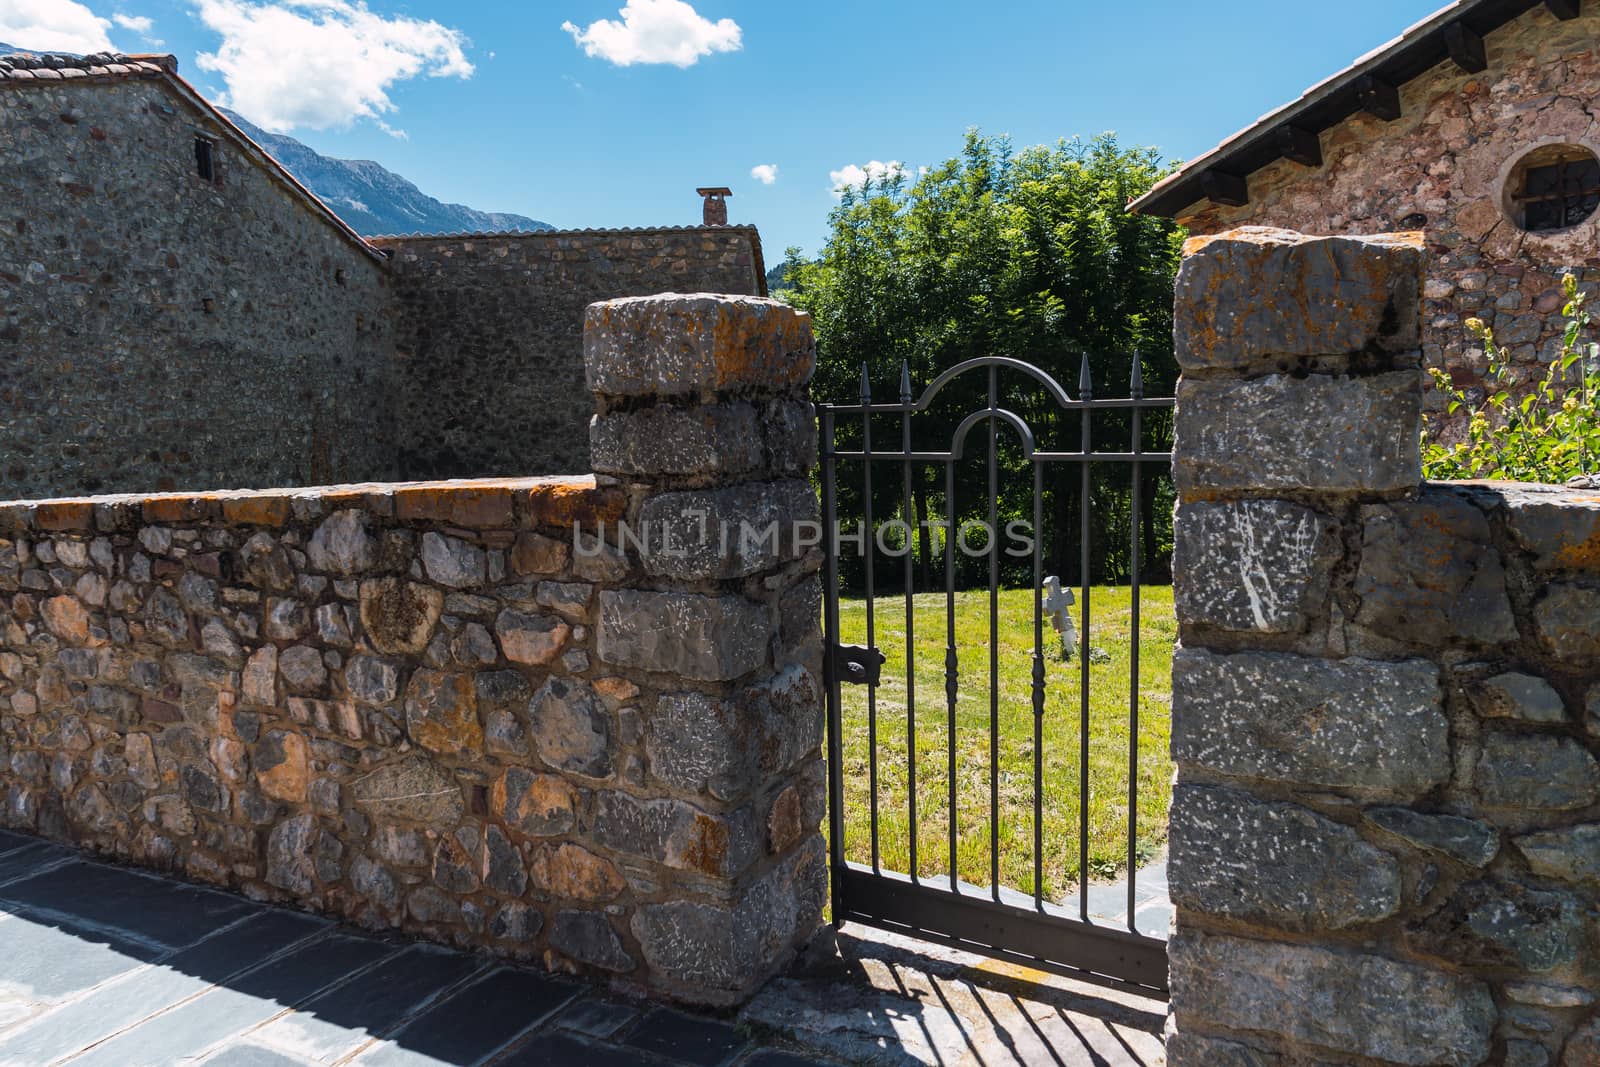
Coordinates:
716	207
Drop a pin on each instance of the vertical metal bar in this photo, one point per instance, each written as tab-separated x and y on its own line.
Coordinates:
911	625
951	664
1136	394
866	552
1086	393
830	600
994	641
1038	685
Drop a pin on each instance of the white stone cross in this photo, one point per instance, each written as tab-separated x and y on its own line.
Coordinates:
1058	602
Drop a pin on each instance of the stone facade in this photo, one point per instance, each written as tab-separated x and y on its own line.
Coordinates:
490	332
159	330
1441	167
474	711
1386	705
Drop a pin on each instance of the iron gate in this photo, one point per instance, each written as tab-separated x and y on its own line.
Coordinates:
991	920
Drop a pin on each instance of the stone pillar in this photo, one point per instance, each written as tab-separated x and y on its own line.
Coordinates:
1299	409
703	418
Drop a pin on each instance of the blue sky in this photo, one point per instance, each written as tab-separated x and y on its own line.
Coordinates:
616	118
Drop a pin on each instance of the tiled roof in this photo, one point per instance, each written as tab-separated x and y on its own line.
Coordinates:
29	66
1291	131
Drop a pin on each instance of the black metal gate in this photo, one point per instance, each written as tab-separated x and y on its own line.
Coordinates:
992	920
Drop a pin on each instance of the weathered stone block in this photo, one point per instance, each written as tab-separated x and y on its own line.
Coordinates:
698	344
1429	573
1256	294
1567	619
399	616
727	533
1376	728
1518	696
589	937
1195	1050
716	948
343	544
1261	861
707	638
1559	526
675	833
442	712
1502	924
1257	565
1466	840
719	441
1346	1002
572	728
1318	433
415	789
532	804
1536	773
1571	854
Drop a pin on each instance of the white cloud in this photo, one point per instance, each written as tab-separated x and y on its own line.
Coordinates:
53	26
139	24
322	63
853	176
766	173
657	31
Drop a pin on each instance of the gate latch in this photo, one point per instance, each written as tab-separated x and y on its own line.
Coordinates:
857	664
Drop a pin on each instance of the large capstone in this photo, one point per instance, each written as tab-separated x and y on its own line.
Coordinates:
1255	565
1262	861
1356	724
1348	1002
1258	295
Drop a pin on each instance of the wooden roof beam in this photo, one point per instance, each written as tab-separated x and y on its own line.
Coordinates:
1378	98
1228	190
1466	48
1299	145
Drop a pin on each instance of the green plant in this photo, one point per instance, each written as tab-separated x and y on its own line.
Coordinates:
1549	434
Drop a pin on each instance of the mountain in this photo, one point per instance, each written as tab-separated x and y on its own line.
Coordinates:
373	199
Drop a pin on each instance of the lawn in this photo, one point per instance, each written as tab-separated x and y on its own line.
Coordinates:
1060	732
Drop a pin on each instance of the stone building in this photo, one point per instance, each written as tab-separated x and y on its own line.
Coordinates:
176	310
1475	126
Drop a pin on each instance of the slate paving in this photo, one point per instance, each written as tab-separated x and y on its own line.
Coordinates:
105	966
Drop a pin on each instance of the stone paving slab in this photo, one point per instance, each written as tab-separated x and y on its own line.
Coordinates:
100	968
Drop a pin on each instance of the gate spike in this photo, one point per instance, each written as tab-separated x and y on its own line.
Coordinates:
866	385
1136	384
1085	384
905	383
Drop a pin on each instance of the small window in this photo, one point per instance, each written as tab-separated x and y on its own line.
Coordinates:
1554	188
205	159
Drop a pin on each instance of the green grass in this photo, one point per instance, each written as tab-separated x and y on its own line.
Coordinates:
1109	730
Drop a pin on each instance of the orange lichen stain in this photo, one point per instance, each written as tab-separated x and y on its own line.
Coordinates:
707	849
459	505
178	508
263	510
61	515
1582	556
566	502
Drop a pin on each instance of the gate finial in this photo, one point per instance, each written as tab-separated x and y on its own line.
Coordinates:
866	385
905	384
1085	383
1136	382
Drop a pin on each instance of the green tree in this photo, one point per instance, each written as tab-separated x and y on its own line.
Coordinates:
1030	254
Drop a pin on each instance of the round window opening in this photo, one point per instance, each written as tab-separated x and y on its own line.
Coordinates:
1553	188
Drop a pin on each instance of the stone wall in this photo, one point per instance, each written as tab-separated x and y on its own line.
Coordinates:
1441	167
490	335
478	712
158	330
1385	839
